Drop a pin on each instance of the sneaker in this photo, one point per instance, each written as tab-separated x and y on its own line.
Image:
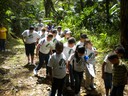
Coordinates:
35	72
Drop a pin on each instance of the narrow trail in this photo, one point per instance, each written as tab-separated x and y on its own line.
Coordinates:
17	79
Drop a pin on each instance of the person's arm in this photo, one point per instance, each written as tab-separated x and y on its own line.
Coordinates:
38	37
68	64
50	67
37	41
23	39
50	71
103	66
23	36
37	49
67	67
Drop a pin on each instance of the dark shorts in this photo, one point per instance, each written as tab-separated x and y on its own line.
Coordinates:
29	49
108	80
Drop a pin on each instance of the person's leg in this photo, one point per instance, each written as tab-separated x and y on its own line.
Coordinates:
77	82
32	52
92	84
87	80
32	59
3	45
0	44
67	84
107	82
41	61
120	90
107	91
71	75
60	86
27	52
80	80
54	86
46	62
113	91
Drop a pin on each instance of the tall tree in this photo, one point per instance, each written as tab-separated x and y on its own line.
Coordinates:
49	7
82	4
107	10
124	24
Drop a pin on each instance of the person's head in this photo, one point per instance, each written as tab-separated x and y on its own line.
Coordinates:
59	28
120	51
50	31
54	32
71	42
113	58
68	34
49	37
31	28
40	20
59	47
88	44
43	30
83	37
80	50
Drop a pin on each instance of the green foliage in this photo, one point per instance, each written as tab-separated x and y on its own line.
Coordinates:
92	21
20	14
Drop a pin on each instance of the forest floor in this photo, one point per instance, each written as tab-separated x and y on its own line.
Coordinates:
17	79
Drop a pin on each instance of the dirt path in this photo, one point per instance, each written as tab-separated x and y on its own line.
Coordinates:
18	79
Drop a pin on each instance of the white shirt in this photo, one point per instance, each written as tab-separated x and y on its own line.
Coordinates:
45	46
108	66
59	33
58	37
77	66
58	64
80	43
30	37
68	50
39	26
42	35
91	54
54	41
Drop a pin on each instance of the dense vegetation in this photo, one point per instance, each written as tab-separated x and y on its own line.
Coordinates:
97	18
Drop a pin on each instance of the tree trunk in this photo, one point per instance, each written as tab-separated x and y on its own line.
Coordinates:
124	25
89	2
107	10
48	4
82	5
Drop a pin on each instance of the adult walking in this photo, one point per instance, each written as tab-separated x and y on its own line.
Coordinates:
30	37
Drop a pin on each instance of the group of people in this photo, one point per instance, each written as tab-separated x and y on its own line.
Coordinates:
63	57
115	72
66	60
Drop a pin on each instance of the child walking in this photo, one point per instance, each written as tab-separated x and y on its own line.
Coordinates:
77	62
107	69
91	53
69	48
120	75
55	39
43	50
82	40
57	69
